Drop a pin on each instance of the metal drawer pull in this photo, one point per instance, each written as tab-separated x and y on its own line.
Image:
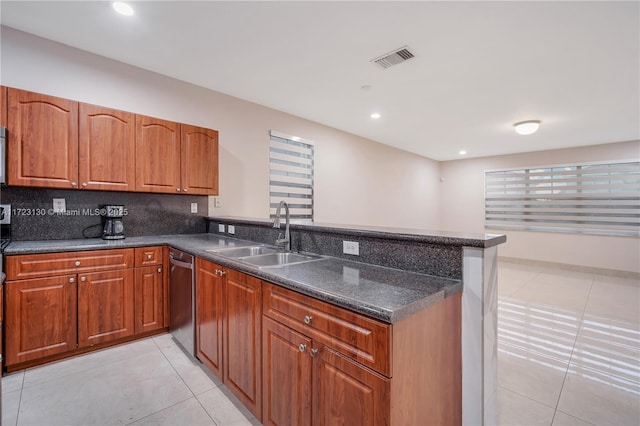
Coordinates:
308	319
302	347
77	263
72	280
159	270
219	272
149	256
84	184
83	279
313	352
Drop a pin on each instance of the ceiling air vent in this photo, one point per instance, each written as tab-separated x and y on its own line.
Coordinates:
395	57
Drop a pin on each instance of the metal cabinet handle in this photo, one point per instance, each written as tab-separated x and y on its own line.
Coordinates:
219	272
84	184
302	347
159	270
83	279
74	184
184	190
178	189
77	263
308	319
72	280
149	256
313	352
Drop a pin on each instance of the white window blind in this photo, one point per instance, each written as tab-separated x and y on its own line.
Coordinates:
291	175
589	199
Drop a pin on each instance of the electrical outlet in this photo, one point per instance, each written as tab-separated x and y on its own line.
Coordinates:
5	214
351	247
217	203
220	227
59	205
194	207
231	229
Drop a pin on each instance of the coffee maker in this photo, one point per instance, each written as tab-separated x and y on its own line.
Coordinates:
112	224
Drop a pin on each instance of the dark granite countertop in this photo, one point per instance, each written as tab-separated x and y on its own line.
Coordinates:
382	293
420	235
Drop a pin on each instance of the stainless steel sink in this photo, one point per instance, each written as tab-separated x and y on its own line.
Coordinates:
279	259
238	252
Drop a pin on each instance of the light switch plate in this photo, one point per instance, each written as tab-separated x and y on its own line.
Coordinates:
231	229
59	205
194	207
5	214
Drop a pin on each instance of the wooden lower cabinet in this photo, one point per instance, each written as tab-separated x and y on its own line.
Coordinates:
209	315
286	367
306	383
105	306
347	393
40	318
242	362
149	298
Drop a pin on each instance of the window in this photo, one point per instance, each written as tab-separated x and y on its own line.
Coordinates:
291	175
588	199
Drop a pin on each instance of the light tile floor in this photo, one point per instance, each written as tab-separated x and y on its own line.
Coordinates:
568	347
569	354
148	382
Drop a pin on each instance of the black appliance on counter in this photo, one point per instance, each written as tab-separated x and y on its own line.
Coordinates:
112	221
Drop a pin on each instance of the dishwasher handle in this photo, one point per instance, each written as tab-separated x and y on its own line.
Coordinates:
180	263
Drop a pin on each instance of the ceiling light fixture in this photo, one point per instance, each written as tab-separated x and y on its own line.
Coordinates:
462	152
122	8
375	115
527	127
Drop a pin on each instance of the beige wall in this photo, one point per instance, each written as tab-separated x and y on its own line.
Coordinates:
462	208
356	180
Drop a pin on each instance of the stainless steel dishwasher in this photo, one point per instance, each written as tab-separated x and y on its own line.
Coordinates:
182	299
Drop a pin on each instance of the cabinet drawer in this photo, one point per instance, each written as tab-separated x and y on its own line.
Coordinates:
366	340
145	256
48	264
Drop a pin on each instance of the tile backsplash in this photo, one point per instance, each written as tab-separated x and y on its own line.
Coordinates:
147	214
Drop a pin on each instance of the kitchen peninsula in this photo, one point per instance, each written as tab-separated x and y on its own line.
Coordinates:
401	368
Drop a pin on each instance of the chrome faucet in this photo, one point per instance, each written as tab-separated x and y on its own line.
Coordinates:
286	241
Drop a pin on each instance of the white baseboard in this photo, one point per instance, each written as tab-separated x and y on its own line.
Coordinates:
573	268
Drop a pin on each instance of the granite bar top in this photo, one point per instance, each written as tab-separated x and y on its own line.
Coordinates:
386	294
461	239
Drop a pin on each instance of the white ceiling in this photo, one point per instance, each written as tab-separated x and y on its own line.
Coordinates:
479	66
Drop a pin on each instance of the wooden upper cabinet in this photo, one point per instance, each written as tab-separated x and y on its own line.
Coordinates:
3	106
157	155
42	143
107	149
199	160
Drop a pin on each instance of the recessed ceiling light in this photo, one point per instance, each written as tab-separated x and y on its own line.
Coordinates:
122	8
527	127
375	115
462	152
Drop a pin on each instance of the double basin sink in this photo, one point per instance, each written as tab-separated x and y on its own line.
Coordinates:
264	257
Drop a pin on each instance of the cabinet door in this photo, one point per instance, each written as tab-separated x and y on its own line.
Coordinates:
107	148
199	160
157	155
149	298
40	318
348	393
105	306
209	315
286	366
242	329
42	141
